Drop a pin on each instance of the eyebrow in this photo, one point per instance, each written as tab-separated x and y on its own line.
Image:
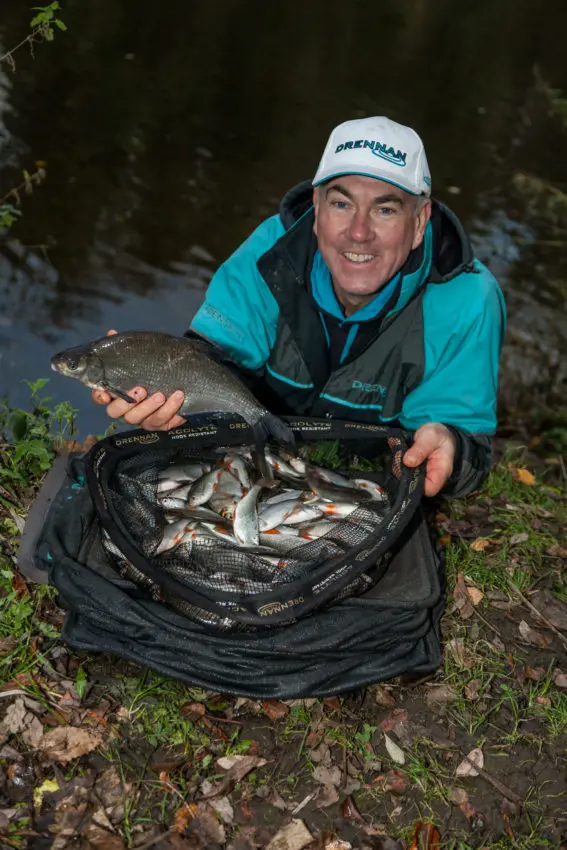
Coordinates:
380	199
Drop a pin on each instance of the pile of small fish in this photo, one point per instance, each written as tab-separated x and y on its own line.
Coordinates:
208	502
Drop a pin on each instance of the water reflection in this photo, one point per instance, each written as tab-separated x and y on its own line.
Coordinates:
169	135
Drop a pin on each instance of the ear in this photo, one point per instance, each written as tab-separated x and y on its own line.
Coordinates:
315	208
422	218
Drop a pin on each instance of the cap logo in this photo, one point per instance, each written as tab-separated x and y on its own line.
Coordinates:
377	148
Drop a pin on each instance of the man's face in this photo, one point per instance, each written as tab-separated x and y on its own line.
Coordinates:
365	229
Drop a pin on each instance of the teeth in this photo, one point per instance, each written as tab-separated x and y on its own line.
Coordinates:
358	258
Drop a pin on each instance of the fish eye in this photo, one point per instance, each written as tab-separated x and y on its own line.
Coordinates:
72	365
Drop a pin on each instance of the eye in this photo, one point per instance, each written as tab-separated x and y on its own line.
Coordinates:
340	205
387	211
72	365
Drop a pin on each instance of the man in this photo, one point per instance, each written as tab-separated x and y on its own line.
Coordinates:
362	299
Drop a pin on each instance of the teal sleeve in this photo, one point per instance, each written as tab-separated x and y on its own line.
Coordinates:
464	323
239	312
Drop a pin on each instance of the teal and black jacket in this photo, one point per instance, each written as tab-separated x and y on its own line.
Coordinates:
425	349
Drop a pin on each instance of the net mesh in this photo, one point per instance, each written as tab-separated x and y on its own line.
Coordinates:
223	572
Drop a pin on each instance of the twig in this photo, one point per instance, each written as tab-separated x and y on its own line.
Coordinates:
502	789
153	841
7	57
222	720
486	623
538	614
37	176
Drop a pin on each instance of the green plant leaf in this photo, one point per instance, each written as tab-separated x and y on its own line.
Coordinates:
18	424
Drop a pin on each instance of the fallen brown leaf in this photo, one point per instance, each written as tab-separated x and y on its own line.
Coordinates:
7	645
237	767
65	743
275	709
206	826
321	754
557	551
440	694
394	781
536	674
399	715
475	595
524	476
521	537
533	637
461	798
223	808
349	810
19	721
471	764
463	603
101	839
327	775
425	837
383	697
294	836
552	608
480	544
560	679
472	689
111	793
193	710
460	652
328	796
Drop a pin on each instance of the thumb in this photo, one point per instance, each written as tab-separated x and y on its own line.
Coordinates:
425	443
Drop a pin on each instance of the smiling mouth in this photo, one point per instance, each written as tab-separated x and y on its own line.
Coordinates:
358	258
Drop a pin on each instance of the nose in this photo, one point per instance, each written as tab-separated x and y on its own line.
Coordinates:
360	227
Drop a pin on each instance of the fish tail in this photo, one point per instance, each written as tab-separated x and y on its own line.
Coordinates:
271	428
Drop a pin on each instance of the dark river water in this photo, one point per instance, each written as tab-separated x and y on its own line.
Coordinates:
170	130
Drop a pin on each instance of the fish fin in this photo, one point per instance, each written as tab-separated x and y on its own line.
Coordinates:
266	483
261	465
271	427
119	394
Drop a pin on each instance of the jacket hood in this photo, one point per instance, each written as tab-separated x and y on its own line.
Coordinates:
445	252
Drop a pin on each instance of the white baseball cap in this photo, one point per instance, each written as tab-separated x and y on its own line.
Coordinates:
377	147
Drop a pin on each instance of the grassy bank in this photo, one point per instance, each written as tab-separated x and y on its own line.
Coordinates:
99	753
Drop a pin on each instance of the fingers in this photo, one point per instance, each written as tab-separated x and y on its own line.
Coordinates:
439	468
101	397
118	407
427	440
156	413
111	332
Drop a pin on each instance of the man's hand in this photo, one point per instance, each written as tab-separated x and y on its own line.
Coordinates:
437	445
155	413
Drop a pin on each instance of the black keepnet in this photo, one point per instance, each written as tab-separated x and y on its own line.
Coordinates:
122	472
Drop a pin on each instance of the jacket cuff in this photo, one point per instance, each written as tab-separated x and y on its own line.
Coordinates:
473	461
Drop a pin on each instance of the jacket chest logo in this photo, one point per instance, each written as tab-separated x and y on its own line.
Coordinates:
370	388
